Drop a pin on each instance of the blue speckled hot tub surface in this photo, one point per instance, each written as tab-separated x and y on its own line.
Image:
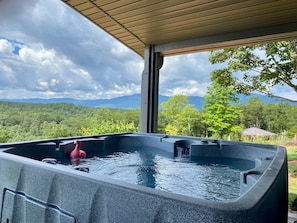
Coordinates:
34	191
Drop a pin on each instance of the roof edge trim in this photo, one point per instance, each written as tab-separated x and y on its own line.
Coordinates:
234	39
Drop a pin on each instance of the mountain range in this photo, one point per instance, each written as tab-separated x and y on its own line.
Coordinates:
132	101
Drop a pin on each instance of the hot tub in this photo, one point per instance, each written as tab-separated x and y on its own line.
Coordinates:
36	191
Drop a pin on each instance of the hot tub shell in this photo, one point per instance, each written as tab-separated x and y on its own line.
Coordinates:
35	191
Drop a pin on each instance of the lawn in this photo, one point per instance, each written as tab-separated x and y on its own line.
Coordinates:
292	166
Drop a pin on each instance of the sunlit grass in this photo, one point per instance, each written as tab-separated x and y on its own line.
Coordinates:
292	152
292	167
292	189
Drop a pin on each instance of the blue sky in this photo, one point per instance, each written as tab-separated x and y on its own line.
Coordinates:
48	50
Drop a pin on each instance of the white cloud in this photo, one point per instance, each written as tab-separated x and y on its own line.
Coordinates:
118	49
63	54
284	91
186	74
5	47
45	70
190	88
49	50
127	89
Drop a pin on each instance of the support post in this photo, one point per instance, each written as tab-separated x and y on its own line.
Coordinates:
153	61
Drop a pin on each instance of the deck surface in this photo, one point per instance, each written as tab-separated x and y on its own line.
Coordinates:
292	217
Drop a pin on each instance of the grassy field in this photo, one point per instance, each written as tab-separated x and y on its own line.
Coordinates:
292	166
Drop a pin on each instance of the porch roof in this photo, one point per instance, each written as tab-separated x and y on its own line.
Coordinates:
178	27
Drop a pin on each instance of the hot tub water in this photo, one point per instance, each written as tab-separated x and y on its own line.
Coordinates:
207	178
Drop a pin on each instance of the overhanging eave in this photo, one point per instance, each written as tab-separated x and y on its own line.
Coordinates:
229	40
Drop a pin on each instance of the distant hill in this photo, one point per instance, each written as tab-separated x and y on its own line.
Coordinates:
131	101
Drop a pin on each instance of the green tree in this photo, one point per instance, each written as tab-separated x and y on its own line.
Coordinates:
54	130
253	112
262	67
188	118
220	115
109	126
4	135
277	117
178	117
292	131
106	120
173	106
28	121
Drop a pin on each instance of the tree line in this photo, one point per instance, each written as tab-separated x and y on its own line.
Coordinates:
29	121
246	69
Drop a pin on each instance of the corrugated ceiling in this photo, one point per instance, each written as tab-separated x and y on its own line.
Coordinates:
186	26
